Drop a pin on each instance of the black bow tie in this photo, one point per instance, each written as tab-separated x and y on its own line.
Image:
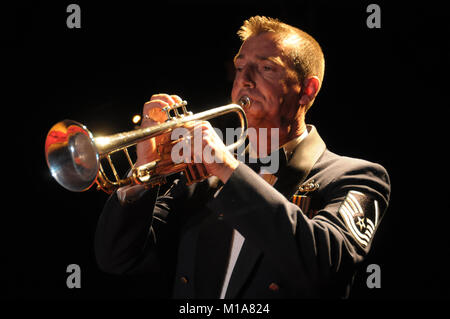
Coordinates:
279	155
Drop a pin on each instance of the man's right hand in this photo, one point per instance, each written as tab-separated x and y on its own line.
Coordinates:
153	115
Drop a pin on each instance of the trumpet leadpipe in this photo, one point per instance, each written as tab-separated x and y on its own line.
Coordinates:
120	141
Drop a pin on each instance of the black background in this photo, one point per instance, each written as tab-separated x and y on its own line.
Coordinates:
383	99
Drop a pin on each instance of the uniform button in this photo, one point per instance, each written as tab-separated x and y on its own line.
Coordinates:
274	287
184	280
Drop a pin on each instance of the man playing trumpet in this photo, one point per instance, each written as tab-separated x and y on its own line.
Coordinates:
299	232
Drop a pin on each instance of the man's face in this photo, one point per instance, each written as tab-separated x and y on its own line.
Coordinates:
264	74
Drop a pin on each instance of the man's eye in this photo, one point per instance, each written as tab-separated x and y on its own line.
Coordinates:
238	68
267	68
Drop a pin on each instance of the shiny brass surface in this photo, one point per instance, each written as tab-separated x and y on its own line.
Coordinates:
73	154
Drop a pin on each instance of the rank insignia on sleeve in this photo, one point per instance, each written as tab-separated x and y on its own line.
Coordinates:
361	215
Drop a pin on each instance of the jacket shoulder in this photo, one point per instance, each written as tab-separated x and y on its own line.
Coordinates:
343	164
347	173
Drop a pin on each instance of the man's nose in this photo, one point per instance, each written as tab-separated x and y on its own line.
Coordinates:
248	77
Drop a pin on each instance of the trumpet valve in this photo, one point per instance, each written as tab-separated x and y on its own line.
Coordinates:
175	108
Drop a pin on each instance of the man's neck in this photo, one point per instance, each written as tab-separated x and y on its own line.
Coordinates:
290	146
293	131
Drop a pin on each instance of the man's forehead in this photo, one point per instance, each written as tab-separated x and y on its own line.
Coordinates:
262	47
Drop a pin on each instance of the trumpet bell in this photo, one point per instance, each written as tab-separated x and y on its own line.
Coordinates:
72	156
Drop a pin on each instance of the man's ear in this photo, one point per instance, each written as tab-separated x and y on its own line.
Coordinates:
309	90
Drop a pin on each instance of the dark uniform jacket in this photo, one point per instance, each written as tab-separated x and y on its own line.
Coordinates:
304	237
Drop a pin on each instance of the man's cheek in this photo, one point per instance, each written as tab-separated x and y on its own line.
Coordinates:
234	94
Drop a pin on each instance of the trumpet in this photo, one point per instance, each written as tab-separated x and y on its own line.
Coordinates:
73	154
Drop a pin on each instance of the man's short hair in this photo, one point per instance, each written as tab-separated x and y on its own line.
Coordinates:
306	55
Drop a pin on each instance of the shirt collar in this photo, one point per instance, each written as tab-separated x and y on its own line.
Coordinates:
288	147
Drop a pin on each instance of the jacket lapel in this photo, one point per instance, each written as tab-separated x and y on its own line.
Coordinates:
245	263
305	156
213	251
